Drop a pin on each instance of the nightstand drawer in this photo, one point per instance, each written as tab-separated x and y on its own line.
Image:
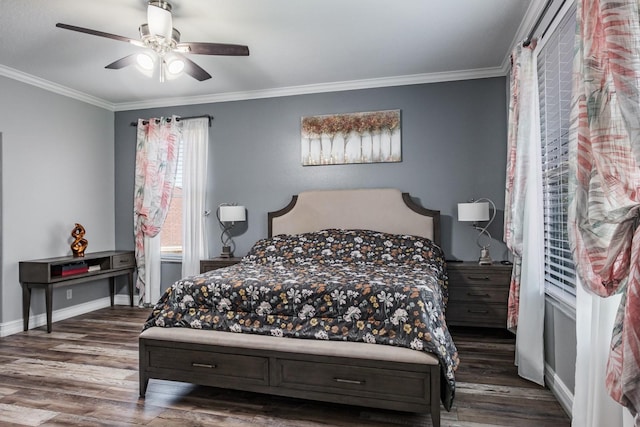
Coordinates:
480	276
479	293
477	314
216	263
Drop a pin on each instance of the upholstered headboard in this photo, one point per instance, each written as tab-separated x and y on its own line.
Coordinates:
387	210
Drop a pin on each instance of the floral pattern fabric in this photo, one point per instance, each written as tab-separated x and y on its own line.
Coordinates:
156	162
604	153
338	285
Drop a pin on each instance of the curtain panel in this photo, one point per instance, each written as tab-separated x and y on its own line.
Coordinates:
523	226
514	188
195	135
604	205
155	173
592	406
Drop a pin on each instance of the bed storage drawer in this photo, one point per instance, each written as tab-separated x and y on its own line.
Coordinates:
349	380
208	367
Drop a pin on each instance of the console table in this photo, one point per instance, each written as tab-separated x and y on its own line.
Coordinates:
47	274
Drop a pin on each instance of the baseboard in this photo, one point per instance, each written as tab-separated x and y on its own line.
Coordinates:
559	389
15	326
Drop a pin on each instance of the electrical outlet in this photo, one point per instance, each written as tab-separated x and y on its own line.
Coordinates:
69	294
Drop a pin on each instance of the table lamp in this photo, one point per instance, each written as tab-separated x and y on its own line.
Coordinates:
476	211
228	214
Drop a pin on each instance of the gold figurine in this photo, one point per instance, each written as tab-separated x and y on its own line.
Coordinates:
79	242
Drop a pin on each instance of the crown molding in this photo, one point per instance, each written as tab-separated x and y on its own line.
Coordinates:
413	79
54	87
530	16
316	88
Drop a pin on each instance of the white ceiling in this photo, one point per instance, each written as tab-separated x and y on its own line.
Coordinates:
296	46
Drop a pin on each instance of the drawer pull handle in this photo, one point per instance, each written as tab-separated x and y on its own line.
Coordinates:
472	294
483	278
342	380
478	311
203	365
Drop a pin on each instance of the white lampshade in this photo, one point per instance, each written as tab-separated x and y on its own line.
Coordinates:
159	19
473	211
232	213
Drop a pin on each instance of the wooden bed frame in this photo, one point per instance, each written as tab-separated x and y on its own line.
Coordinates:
352	373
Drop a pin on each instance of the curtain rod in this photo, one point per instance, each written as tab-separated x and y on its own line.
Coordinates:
527	41
206	116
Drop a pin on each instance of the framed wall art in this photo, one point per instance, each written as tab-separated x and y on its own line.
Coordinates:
335	139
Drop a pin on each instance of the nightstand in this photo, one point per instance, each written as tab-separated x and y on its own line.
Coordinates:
478	294
216	263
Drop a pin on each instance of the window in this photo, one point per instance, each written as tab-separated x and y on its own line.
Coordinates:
555	61
171	234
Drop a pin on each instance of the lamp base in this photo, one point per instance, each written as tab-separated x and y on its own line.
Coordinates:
485	258
226	252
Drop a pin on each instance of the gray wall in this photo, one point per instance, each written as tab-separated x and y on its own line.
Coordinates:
57	169
453	149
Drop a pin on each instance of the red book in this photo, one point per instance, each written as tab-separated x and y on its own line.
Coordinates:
78	270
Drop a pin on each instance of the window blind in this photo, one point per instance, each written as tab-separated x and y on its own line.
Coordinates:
554	81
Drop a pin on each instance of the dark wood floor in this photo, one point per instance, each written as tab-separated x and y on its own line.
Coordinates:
86	373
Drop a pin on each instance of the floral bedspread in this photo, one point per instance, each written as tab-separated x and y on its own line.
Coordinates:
344	285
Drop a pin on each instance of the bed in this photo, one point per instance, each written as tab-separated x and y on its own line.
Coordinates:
343	302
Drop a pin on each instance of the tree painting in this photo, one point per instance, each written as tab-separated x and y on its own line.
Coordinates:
371	137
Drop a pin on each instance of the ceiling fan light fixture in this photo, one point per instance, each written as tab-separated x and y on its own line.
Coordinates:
159	19
175	66
145	62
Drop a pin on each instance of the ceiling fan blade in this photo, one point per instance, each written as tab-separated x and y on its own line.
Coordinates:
122	62
194	70
214	49
96	33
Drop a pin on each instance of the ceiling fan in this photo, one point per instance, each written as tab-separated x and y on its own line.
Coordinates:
163	40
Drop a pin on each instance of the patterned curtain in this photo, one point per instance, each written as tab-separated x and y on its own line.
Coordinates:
523	226
514	188
604	209
156	161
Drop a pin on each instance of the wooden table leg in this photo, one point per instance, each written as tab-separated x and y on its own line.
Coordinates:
48	300
130	277
112	289
26	305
